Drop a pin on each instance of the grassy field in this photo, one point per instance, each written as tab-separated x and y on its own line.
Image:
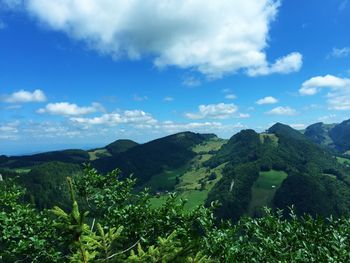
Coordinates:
22	170
190	182
94	155
264	189
343	160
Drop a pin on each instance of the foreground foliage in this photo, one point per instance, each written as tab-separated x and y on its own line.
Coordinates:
109	222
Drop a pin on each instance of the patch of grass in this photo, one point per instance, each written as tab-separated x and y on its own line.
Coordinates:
96	154
343	160
166	180
210	145
190	182
264	189
23	170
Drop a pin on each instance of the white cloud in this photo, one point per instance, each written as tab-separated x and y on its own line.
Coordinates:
213	111
230	96
9	130
191	81
327	118
338	97
267	100
287	64
168	99
23	96
69	109
243	115
113	119
223	38
283	111
340	52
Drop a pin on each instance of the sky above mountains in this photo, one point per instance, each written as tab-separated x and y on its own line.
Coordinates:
82	73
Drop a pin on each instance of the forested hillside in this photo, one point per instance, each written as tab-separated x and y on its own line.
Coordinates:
335	136
316	182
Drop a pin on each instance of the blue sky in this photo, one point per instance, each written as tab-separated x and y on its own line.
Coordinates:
80	74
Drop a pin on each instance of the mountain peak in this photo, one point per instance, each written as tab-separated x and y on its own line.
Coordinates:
285	130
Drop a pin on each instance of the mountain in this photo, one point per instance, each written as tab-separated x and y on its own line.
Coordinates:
334	136
340	135
120	146
149	159
279	168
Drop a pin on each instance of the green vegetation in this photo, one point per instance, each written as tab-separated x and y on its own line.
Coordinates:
266	138
335	136
192	181
343	160
264	189
108	221
98	153
152	158
120	146
67	156
46	184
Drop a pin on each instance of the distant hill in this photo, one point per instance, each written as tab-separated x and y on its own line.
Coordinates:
334	136
76	156
120	146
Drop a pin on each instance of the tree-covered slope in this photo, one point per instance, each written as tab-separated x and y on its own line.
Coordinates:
46	184
68	156
335	136
149	159
340	135
323	182
120	146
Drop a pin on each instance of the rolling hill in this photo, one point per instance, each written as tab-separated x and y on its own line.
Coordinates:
302	174
334	136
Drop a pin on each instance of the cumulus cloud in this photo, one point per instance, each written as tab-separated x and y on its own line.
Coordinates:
213	111
287	64
113	119
23	96
267	100
223	38
338	97
282	111
69	109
